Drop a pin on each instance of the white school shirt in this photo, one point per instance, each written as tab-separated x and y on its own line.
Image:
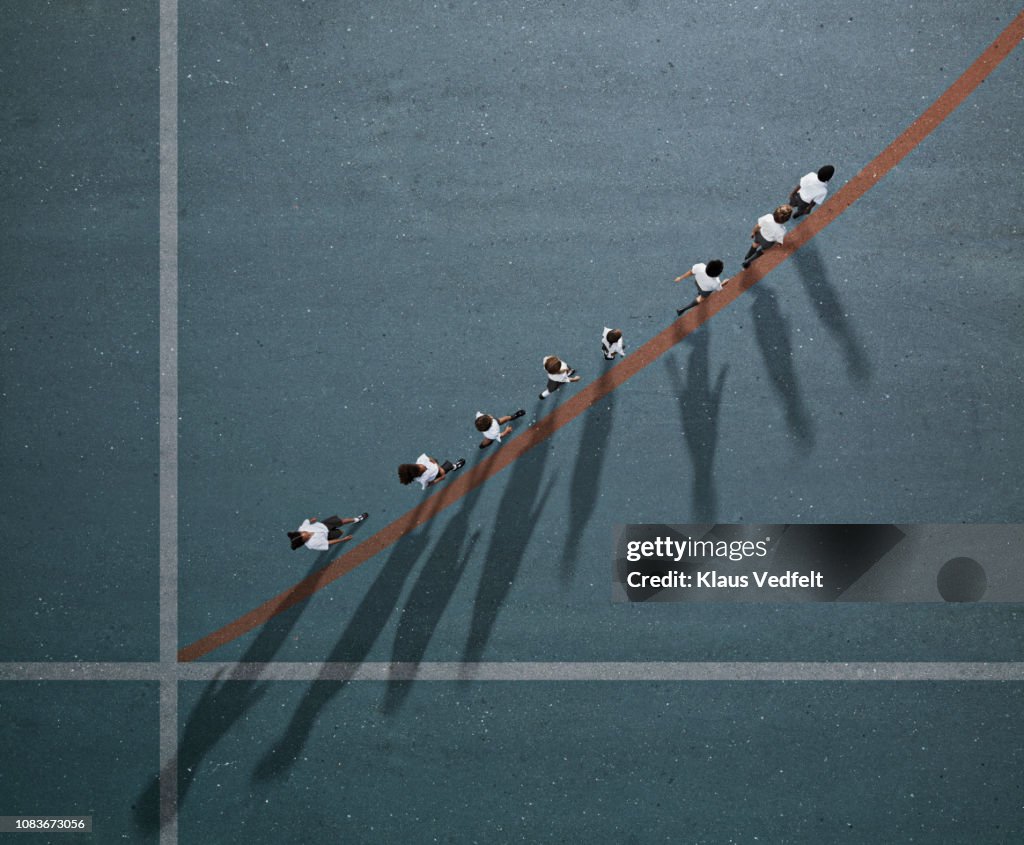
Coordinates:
707	283
562	375
770	230
431	472
494	432
812	189
318	542
617	348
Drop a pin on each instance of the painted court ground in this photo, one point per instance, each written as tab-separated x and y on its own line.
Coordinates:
257	255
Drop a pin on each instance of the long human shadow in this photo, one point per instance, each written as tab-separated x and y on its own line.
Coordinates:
829	308
363	628
771	329
430	596
223	702
699	404
585	487
520	508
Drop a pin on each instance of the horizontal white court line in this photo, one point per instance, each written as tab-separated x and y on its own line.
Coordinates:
84	671
517	671
619	671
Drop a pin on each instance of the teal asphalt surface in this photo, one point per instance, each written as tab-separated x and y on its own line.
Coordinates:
78	749
78	321
388	214
606	762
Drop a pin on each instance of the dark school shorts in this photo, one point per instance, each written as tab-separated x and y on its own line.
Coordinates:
797	202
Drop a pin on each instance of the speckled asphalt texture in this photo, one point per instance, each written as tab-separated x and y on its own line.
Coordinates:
388	214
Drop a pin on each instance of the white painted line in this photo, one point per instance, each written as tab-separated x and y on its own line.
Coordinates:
516	671
168	419
618	671
82	672
168	331
168	762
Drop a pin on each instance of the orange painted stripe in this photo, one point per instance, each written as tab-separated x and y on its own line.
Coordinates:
467	479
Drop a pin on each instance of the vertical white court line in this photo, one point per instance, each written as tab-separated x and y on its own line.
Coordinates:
168	421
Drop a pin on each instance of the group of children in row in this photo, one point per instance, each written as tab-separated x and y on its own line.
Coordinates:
428	471
770	230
